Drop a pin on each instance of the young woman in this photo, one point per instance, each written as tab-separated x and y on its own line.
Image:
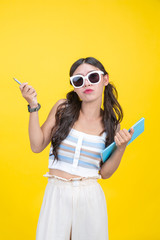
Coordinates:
74	204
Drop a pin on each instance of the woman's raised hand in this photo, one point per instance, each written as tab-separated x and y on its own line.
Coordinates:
29	93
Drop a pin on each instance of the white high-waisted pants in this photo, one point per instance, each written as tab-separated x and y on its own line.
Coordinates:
73	210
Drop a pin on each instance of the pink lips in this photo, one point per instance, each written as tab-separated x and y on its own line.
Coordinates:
88	91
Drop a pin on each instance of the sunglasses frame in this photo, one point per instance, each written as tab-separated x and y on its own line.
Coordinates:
83	77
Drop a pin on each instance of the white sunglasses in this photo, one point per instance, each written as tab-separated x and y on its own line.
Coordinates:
93	77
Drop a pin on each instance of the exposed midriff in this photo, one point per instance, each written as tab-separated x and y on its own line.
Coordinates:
62	174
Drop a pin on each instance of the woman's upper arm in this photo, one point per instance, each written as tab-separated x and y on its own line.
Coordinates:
49	124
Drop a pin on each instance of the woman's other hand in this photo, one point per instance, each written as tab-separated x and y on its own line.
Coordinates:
122	138
29	93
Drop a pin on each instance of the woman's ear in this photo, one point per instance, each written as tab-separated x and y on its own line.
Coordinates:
106	79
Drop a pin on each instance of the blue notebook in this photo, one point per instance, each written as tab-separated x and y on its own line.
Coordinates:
138	129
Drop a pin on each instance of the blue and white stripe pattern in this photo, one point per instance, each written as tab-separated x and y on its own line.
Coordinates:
79	154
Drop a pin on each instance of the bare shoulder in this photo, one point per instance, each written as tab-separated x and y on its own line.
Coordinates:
56	105
59	102
50	121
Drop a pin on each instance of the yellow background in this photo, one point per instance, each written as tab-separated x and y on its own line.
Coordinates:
39	42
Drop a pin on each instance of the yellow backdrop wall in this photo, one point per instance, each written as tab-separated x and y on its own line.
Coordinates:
39	42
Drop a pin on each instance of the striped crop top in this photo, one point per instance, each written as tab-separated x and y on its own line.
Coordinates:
79	154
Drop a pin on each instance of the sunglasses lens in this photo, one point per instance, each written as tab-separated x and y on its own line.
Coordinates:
77	81
94	77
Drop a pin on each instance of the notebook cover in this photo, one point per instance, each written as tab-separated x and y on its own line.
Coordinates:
138	129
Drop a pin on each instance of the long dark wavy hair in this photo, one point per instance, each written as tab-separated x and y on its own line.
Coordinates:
68	112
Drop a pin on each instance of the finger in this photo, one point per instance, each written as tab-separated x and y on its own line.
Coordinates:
26	88
131	131
23	85
121	136
125	131
34	94
128	134
30	91
117	141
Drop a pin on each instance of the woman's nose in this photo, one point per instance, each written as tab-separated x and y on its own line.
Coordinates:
86	82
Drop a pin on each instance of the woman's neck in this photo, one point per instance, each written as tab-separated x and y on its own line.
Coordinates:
91	110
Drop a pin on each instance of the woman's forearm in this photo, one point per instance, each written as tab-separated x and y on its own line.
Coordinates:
121	138
35	132
110	166
36	135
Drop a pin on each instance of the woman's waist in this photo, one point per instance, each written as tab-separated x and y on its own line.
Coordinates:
62	174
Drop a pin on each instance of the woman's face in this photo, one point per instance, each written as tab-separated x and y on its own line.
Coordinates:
90	92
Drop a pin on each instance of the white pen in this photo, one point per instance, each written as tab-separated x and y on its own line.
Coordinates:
17	81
